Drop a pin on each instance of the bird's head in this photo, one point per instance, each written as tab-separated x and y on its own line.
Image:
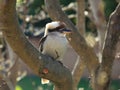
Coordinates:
56	26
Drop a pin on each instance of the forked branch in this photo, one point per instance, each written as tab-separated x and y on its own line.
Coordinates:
57	73
109	51
75	39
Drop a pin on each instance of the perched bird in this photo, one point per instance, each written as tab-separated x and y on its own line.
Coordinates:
54	42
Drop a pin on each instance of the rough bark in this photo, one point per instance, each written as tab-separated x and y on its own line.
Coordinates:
3	85
10	65
86	53
57	73
97	8
112	37
77	72
81	17
79	66
56	13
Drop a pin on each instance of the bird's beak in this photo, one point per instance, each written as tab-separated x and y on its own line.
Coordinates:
66	31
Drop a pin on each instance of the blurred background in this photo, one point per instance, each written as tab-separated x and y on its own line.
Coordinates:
33	17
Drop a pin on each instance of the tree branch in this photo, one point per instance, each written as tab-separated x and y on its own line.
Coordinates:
109	51
77	72
57	73
97	9
75	39
79	66
81	17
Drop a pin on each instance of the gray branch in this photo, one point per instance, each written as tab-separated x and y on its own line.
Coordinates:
57	73
103	75
75	39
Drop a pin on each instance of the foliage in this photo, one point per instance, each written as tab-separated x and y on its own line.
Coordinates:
33	83
33	17
109	7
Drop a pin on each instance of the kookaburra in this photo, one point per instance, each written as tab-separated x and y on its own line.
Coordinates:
54	42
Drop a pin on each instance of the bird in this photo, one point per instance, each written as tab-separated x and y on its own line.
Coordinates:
54	42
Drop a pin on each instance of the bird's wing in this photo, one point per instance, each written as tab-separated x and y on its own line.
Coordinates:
41	42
